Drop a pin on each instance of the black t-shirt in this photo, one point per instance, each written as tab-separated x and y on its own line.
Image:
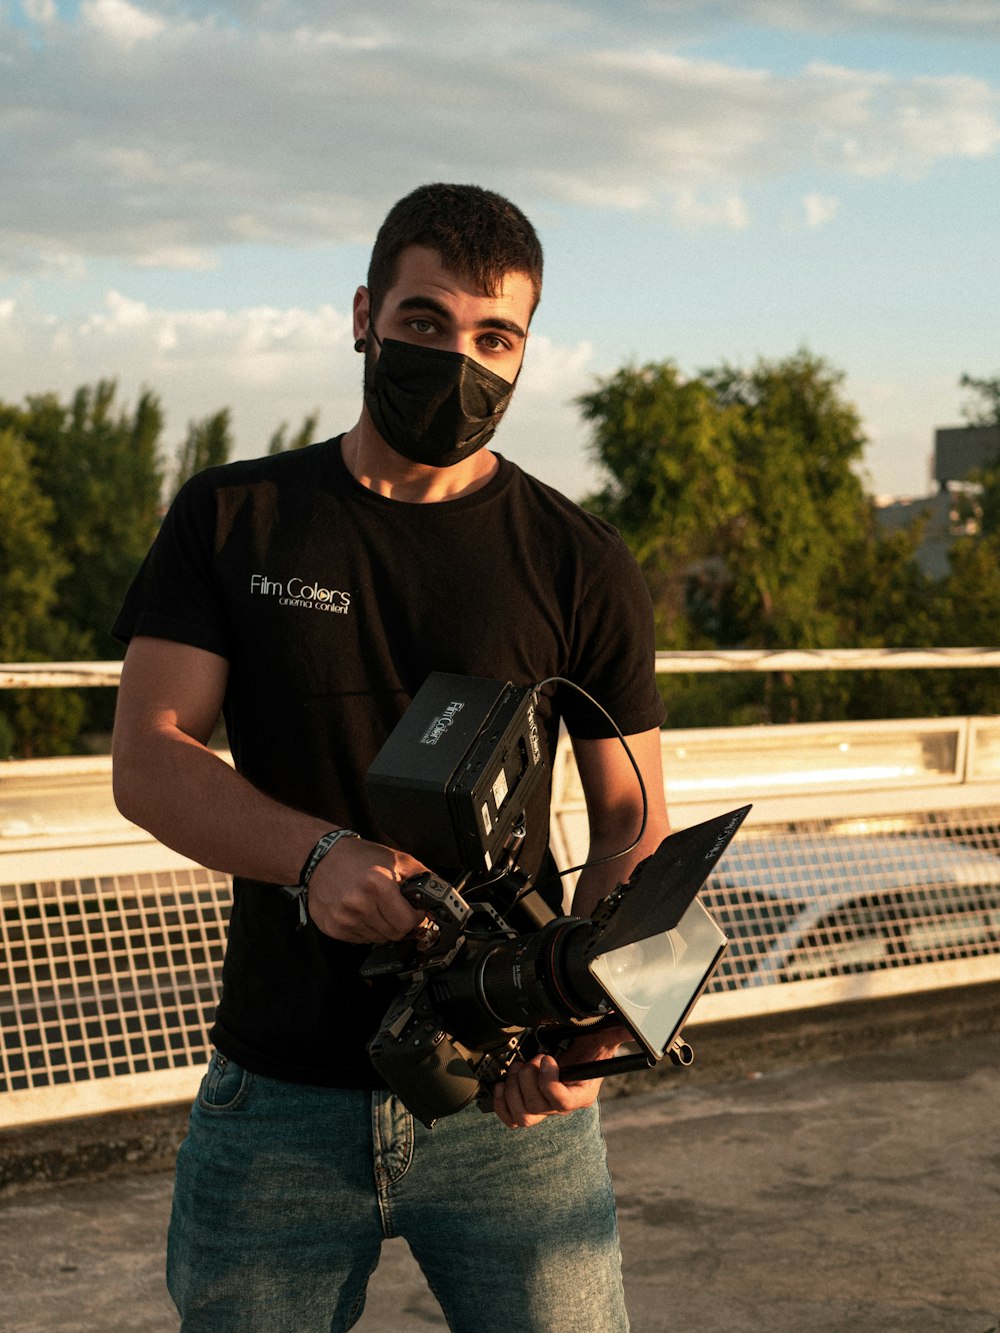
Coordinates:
332	604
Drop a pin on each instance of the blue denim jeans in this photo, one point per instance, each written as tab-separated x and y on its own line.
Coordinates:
284	1194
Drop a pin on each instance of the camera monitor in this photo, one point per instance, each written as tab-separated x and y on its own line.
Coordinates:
452	779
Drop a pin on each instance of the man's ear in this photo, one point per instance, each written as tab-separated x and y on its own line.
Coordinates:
362	312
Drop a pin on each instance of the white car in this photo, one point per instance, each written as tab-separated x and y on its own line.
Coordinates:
798	906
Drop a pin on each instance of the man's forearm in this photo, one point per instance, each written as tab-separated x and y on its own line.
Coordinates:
615	809
597	881
195	803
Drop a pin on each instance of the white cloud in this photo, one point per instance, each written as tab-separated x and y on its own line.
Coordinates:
695	214
40	11
290	123
213	351
123	23
958	17
270	365
820	209
955	18
176	257
949	117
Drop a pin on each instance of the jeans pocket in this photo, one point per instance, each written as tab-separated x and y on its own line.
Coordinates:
225	1085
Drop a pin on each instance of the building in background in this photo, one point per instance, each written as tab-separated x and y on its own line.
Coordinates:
952	510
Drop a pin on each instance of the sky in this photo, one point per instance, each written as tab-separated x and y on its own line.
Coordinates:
190	191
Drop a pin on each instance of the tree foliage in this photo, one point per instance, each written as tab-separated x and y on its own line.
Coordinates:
208	443
738	491
95	478
82	490
280	442
31	569
797	442
983	408
30	566
98	465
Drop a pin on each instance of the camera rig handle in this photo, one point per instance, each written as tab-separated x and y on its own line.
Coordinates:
680	1054
436	943
440	939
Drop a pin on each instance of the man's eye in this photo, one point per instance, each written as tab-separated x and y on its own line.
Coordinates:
492	342
422	325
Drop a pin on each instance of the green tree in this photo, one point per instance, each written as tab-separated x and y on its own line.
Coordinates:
968	616
31	568
81	494
306	434
672	484
98	463
739	494
797	443
208	443
983	408
887	601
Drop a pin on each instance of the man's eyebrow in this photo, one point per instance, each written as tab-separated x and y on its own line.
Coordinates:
432	304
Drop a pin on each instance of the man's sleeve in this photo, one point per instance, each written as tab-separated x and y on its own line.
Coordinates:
614	653
176	594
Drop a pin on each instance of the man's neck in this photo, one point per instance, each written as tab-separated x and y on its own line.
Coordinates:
379	468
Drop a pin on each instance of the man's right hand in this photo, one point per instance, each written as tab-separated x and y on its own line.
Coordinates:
354	893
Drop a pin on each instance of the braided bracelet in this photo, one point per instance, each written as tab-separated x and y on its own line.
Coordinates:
301	890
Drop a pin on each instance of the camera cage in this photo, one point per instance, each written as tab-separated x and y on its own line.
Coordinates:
493	975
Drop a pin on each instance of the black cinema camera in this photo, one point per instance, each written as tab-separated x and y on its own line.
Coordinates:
494	975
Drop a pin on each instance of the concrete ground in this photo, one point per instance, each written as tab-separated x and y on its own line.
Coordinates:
860	1193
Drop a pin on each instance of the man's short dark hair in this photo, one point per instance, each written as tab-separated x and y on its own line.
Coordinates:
476	232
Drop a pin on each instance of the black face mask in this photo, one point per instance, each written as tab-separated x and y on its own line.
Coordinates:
433	407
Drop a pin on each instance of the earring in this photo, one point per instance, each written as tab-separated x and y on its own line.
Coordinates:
359	344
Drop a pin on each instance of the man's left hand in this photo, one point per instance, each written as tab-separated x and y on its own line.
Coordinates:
533	1091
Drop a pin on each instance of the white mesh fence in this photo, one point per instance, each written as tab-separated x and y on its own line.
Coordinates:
870	865
119	975
106	977
815	899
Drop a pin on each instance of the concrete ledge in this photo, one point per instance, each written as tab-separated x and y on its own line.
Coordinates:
743	1048
130	1142
121	1142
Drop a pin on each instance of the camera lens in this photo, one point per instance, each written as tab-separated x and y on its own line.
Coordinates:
541	978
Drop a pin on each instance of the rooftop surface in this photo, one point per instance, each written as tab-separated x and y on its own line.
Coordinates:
790	1194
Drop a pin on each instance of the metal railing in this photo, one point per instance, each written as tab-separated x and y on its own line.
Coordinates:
870	865
77	675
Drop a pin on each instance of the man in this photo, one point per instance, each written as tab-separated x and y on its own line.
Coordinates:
307	597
